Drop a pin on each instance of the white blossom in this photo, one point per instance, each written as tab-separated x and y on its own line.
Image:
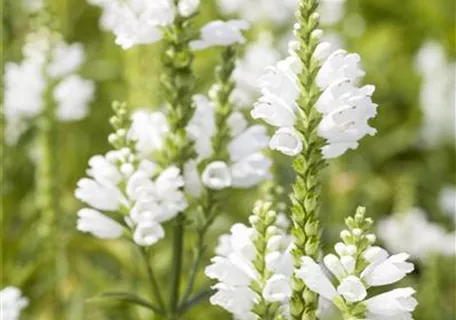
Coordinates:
46	58
447	201
438	101
117	183
217	176
220	33
395	304
98	224
73	95
149	131
257	10
412	232
346	109
188	7
11	303
258	56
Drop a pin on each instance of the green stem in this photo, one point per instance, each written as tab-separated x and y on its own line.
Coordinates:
195	268
177	264
308	165
153	281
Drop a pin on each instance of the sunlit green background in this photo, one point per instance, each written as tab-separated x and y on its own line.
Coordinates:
389	172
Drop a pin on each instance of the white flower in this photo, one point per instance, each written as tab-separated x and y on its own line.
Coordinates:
11	303
250	171
412	232
387	270
352	289
277	289
65	59
73	95
221	33
99	194
315	279
287	141
259	10
149	130
345	108
188	7
217	176
103	170
237	300
148	233
331	11
138	22
250	67
24	87
438	101
447	201
98	224
250	141
395	304
193	184
202	126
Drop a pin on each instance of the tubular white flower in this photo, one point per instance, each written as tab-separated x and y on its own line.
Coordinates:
149	131
287	141
391	270
217	176
250	141
277	288
314	278
396	303
11	303
352	289
98	224
250	171
237	300
220	33
345	108
100	195
148	233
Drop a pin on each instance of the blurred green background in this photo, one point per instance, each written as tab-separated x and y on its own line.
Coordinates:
390	172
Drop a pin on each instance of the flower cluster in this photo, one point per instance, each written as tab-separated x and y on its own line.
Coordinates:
220	33
11	303
134	194
252	281
47	75
135	22
345	108
247	165
412	232
358	266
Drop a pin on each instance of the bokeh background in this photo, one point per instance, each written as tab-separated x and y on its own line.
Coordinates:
408	50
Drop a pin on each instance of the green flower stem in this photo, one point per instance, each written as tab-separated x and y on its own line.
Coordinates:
208	206
308	165
178	84
153	281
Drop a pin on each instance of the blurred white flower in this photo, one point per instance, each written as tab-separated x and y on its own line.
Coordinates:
136	22
149	130
11	303
345	108
258	56
221	33
438	101
413	233
447	200
331	11
47	58
32	6
98	224
395	304
65	59
73	96
258	10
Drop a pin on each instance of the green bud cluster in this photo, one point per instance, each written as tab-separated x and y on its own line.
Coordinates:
121	122
305	197
263	222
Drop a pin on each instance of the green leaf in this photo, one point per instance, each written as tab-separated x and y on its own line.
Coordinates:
126	297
